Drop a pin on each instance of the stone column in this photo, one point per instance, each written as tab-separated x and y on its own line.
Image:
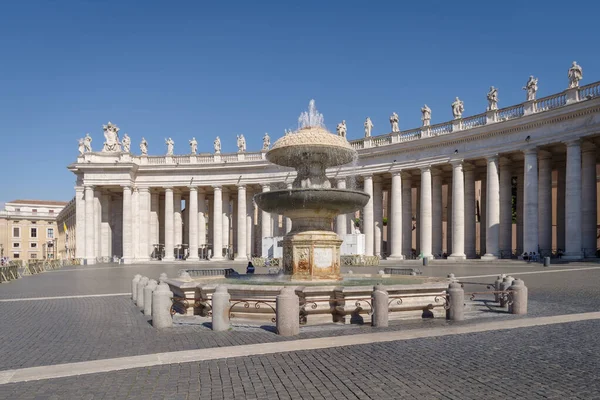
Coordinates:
470	222
201	217
458	212
97	223
368	228
493	210
588	198
530	202
406	215
505	207
449	218
545	203
177	220
288	220
89	225
225	210
154	224
217	217
436	213
340	221
265	225
80	228
483	216
127	226
519	209
418	227
144	229
193	224
426	215
106	237
377	216
249	224
242	252
560	205
233	218
573	241
169	225
395	220
135	221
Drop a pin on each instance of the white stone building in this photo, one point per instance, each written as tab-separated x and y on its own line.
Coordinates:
130	206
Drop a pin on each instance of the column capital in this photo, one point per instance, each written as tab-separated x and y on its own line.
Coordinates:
144	189
457	163
397	172
265	187
586	146
572	143
88	186
368	176
544	155
426	168
530	151
217	187
193	188
468	167
168	188
241	187
504	161
406	175
79	188
492	158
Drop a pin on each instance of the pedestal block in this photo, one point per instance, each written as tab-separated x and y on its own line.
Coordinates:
312	255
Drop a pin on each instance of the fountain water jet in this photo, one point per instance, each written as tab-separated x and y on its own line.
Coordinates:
311	250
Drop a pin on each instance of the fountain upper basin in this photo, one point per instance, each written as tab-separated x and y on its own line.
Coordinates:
311	202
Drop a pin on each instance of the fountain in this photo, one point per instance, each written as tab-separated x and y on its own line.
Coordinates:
311	250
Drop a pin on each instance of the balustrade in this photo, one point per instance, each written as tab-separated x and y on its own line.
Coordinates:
550	102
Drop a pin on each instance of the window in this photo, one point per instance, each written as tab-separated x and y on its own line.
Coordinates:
16	232
16	245
33	232
33	255
15	255
50	233
32	245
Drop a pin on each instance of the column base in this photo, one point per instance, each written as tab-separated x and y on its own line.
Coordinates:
166	258
395	257
244	258
489	257
457	257
215	258
90	261
129	260
192	258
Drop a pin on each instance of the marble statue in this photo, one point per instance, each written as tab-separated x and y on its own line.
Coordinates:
575	75
111	136
394	122
531	88
87	143
341	129
170	143
217	144
458	107
368	127
492	98
426	118
286	132
266	141
126	143
81	147
241	143
144	147
193	146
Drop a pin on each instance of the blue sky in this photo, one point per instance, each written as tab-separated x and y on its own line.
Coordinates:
192	68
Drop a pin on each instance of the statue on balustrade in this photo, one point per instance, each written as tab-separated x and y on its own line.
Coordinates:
368	127
287	132
575	75
426	118
266	142
126	143
217	144
341	129
111	135
492	98
170	144
394	120
144	147
531	88
241	143
81	147
87	143
193	146
458	108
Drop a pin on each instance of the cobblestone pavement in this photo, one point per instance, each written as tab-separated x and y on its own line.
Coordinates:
69	330
550	362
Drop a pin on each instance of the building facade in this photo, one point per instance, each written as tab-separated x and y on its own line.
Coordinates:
28	229
515	179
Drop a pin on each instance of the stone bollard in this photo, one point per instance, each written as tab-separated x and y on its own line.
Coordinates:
134	283
161	307
148	290
456	312
519	297
288	312
140	292
546	261
163	277
220	309
380	310
497	287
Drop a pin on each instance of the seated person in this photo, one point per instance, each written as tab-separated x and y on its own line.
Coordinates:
250	268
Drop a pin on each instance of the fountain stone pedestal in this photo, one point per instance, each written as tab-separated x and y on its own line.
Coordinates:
312	255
